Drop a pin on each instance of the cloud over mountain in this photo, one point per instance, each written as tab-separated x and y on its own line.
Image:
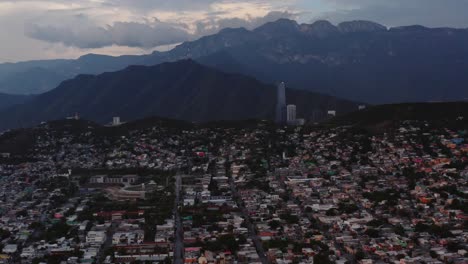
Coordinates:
88	35
82	32
431	13
37	29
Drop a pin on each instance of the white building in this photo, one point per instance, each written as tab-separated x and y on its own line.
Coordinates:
28	252
189	200
10	249
89	254
96	237
128	238
291	114
116	121
165	232
300	121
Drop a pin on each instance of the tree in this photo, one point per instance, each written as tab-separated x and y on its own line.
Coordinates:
290	219
274	224
399	230
36	225
322	258
4	234
229	242
22	213
347	208
331	212
56	231
453	246
376	222
371	232
360	255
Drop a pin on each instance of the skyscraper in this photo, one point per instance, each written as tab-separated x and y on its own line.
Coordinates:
291	115
281	104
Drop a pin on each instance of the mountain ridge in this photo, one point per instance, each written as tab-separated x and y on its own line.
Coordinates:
184	90
8	100
356	60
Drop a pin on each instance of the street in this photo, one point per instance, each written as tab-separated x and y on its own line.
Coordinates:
179	231
250	226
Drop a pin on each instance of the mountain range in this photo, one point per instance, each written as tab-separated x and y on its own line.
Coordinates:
357	60
183	90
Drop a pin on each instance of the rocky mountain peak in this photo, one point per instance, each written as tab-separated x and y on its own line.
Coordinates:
280	27
320	28
360	26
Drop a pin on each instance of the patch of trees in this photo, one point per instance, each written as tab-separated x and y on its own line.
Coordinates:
225	242
440	231
290	219
261	185
459	205
377	222
347	208
391	196
4	234
323	257
56	231
274	224
372	232
281	244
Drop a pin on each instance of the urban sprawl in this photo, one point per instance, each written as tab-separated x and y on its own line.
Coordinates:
258	193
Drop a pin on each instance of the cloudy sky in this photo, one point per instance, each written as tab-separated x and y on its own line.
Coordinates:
46	29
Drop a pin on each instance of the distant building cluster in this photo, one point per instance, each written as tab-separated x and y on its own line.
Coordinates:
286	114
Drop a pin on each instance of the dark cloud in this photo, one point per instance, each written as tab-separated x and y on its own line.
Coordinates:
85	34
174	5
90	37
142	35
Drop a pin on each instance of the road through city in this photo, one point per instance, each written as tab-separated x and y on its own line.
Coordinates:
179	232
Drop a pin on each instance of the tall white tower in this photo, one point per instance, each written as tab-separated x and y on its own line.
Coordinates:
281	104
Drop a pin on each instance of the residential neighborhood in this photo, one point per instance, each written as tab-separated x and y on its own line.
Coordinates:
258	193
